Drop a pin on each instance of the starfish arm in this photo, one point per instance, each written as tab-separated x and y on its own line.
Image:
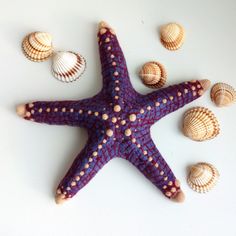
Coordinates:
150	162
164	101
85	166
73	113
115	74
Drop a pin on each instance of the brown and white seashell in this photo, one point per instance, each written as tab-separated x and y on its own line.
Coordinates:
223	94
37	46
202	177
200	124
153	74
68	66
172	36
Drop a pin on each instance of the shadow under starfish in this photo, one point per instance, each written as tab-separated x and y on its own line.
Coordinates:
118	121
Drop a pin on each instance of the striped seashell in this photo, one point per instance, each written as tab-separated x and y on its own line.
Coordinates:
68	66
202	177
200	124
153	74
172	36
223	94
37	46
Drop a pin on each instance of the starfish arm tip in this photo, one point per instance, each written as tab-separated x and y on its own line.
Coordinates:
21	110
60	198
179	197
205	83
103	24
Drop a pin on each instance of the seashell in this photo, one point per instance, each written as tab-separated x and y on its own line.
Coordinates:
200	124
153	74
223	94
202	177
37	46
68	66
172	36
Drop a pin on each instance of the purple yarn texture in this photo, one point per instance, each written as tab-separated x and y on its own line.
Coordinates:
118	121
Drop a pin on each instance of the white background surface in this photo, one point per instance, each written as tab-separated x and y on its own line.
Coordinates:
119	200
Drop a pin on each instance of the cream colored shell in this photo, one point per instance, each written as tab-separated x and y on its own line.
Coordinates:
223	94
68	66
172	36
202	177
200	124
153	74
37	46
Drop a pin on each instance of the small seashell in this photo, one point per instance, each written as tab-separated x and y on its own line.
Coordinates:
153	74
223	94
37	46
202	177
200	124
172	36
68	66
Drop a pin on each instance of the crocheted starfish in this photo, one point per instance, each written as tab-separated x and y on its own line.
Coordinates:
118	121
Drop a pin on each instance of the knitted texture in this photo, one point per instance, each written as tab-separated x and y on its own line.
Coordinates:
118	121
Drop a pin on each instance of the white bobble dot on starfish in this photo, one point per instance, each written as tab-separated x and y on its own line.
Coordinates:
157	104
133	140
145	152
95	154
149	108
86	166
104	116
168	194
89	112
113	119
55	109
28	114
173	190
73	184
109	132
117	81
185	90
71	110
171	98
164	100
116	73
150	159
156	165
103	31
63	109
107	40
96	113
40	110
132	117
138	145
128	132
48	109
193	88
31	105
162	173
32	111
141	111
170	183
77	178
117	108
200	92
109	48
104	140
90	159
80	111
179	94
68	188
116	97
117	88
99	146
123	122
114	63
81	173
164	187
194	93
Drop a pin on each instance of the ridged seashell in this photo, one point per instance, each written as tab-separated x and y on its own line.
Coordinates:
68	66
37	46
172	36
223	94
153	74
202	177
200	124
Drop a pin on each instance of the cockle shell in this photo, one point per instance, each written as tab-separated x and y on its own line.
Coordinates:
68	66
223	94
202	177
153	74
172	36
37	46
200	124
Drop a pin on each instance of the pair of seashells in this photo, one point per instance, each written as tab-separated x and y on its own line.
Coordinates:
66	66
202	177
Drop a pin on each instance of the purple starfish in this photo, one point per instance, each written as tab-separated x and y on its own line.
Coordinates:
118	120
